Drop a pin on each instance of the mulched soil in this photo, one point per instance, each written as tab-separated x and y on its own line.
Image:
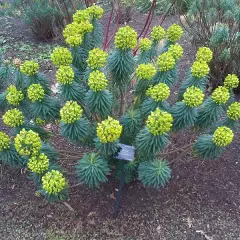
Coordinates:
200	202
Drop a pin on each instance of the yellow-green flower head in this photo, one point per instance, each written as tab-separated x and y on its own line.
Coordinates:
109	130
53	182
158	33
27	143
126	38
220	95
61	57
4	141
65	75
159	122
200	69
71	112
85	27
74	40
14	96
97	58
159	92
38	164
146	71
40	121
193	97
174	33
97	81
95	11
166	62
71	29
176	50
13	118
29	68
145	44
81	16
77	29
233	111
223	136
35	92
231	81
204	54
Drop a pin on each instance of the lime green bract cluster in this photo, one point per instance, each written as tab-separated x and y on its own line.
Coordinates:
74	41
13	118
38	164
61	57
97	81
159	122
126	38
146	71
71	112
27	143
166	62
193	97
231	81
157	33
174	33
109	130
74	32
145	44
176	50
29	68
65	75
53	182
97	58
95	11
233	111
35	92
220	95
223	136
14	96
85	15
159	92
4	141
204	54
200	69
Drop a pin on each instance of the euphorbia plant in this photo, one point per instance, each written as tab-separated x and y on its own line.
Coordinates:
92	106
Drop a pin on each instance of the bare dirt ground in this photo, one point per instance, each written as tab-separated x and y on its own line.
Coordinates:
201	202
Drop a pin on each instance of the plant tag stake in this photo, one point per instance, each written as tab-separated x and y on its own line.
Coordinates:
126	153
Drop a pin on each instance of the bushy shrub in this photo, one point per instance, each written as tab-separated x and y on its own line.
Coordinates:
216	24
45	18
91	107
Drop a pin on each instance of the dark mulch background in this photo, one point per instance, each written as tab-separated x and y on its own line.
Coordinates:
201	201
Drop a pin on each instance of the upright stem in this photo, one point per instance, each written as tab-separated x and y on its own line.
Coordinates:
108	27
148	17
121	102
166	13
117	24
68	14
73	5
147	24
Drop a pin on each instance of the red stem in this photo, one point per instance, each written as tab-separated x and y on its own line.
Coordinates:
149	22
86	3
148	17
116	27
65	5
147	25
166	13
108	27
74	8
